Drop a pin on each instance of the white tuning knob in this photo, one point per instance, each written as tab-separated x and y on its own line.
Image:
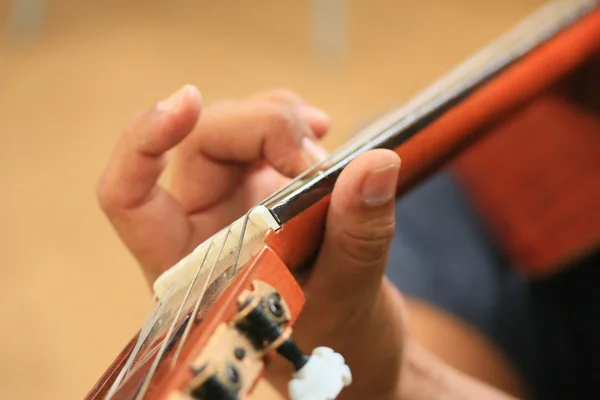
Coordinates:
323	376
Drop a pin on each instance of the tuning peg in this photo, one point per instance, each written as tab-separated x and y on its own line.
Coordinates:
322	377
262	316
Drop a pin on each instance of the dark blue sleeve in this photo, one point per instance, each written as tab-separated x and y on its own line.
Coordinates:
442	254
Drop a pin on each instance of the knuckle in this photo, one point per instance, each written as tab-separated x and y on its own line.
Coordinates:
370	242
281	120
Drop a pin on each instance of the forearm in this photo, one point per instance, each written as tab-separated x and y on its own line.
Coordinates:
425	377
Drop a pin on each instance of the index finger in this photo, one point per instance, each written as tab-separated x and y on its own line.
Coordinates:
149	220
318	121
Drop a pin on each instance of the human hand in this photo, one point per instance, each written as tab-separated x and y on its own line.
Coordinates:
350	306
227	158
230	158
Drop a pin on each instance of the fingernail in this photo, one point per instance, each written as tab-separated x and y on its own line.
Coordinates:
379	187
313	152
176	98
315	115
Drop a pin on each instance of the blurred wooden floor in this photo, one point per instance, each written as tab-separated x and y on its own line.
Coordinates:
71	294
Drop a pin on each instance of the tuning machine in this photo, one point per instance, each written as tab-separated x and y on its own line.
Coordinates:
233	359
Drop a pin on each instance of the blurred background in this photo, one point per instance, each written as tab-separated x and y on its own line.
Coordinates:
73	73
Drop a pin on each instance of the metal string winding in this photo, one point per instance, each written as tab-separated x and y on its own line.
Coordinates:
192	318
167	338
143	336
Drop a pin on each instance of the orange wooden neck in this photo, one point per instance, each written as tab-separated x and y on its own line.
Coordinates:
536	182
484	113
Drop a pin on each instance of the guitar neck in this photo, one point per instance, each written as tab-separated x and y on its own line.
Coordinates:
454	92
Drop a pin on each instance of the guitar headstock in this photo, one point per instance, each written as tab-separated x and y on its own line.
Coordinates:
215	328
228	351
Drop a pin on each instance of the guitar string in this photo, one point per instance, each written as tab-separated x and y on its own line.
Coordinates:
138	345
141	342
189	323
238	250
233	268
151	320
381	128
165	342
192	318
233	272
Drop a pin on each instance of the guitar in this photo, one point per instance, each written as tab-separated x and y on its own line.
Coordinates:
222	313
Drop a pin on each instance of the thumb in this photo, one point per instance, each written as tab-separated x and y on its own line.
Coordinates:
359	229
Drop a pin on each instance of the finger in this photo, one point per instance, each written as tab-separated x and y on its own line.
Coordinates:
137	161
245	132
231	135
359	229
151	223
281	96
318	120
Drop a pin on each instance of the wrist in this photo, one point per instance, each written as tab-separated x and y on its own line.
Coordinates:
426	377
422	375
